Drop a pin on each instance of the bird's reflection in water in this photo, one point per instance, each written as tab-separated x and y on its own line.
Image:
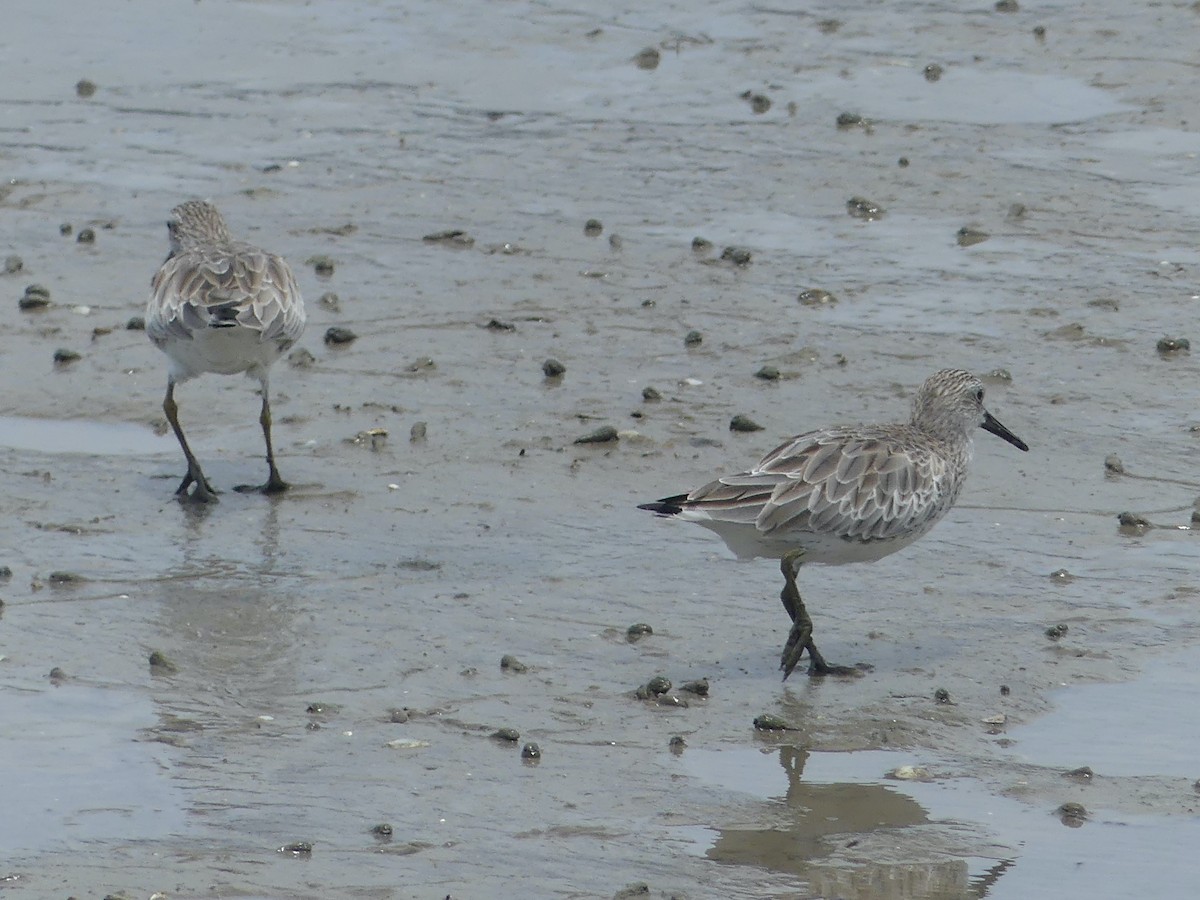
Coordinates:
226	613
815	822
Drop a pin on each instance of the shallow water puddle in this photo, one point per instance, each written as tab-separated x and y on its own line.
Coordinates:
81	436
968	95
71	774
1137	728
850	831
842	825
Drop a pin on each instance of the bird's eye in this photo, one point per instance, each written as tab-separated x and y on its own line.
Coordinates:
979	395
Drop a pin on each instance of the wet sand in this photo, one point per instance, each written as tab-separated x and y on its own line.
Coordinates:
336	651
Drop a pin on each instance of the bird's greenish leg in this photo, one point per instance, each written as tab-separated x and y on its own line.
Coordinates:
203	492
800	637
274	484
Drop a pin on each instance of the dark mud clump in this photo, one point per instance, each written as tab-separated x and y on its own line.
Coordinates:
633	891
759	103
1073	815
338	336
451	237
322	265
602	435
300	358
816	297
744	424
767	373
739	256
636	632
848	120
1132	522
510	663
552	368
37	296
967	236
862	208
373	438
161	664
648	59
654	688
770	722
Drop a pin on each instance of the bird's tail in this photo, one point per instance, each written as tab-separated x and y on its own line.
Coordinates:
223	315
668	506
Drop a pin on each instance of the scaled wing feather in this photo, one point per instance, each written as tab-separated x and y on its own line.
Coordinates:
856	485
258	286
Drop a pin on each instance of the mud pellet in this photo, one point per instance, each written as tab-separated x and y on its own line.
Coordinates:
602	435
637	631
744	424
510	663
161	664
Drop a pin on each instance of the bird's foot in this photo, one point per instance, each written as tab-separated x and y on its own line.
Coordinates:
202	492
799	640
274	485
819	669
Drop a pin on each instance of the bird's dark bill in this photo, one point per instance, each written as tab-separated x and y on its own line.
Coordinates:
992	424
